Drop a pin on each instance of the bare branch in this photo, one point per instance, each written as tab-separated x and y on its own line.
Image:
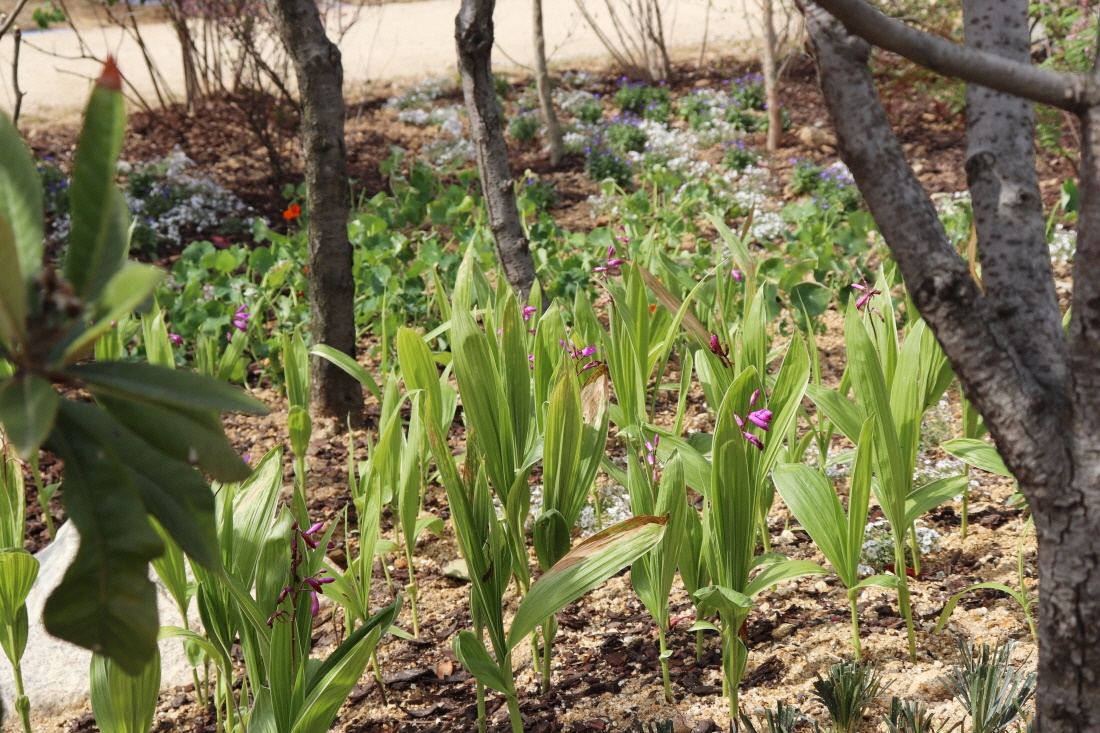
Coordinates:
6	21
1016	405
1069	91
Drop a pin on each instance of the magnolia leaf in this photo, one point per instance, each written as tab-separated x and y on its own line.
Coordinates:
28	408
105	601
171	387
124	293
100	219
589	563
20	203
195	439
13	291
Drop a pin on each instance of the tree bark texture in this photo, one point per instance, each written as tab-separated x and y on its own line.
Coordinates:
1039	395
770	64
317	65
545	91
474	40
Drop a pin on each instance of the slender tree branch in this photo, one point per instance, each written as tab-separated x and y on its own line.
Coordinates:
1069	91
9	19
1015	405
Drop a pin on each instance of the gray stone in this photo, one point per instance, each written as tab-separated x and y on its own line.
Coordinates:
55	673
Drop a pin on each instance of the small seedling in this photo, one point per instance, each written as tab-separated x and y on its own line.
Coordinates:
846	691
907	716
992	690
784	719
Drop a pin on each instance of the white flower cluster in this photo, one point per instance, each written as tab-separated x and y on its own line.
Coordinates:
449	119
1063	245
580	78
569	99
578	136
669	146
605	203
446	152
878	545
422	94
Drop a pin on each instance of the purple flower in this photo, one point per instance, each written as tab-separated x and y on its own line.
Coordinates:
754	398
868	293
754	440
176	339
736	275
531	360
528	311
761	419
240	318
722	351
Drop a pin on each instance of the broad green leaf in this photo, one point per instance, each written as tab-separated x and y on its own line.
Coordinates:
253	510
176	632
296	370
127	289
171	568
154	332
18	571
28	408
105	601
472	654
589	563
13	290
349	365
879	581
121	702
20	202
780	571
174	388
561	460
814	503
839	409
98	240
859	495
978	454
726	601
170	490
931	495
811	300
300	427
195	439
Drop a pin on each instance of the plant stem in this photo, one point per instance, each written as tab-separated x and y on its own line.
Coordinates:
549	631
411	590
855	625
965	519
903	593
22	702
915	548
664	663
698	644
481	725
513	712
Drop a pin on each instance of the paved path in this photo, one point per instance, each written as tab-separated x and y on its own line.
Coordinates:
401	41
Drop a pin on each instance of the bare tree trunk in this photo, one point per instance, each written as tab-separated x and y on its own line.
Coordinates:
1040	397
331	287
545	92
474	39
770	62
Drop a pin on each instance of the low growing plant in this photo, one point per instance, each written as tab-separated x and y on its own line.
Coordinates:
846	691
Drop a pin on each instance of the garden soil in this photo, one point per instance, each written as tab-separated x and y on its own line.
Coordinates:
605	670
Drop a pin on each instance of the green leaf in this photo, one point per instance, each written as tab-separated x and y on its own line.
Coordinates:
18	571
950	607
328	688
726	601
170	490
978	454
105	601
171	387
349	365
839	409
589	563
20	202
124	293
28	408
472	654
191	436
931	495
780	571
879	581
13	291
123	702
814	503
98	240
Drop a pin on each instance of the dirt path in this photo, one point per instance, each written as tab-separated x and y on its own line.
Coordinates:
400	41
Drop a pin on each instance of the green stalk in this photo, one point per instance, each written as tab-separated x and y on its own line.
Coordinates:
481	714
698	644
377	668
855	625
22	702
914	548
45	504
664	663
549	631
411	590
965	519
903	594
513	711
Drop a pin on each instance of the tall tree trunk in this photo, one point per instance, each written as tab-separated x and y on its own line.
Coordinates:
545	91
320	75
1040	398
474	39
770	63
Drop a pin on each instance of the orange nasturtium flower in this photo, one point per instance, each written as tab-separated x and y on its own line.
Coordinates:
292	212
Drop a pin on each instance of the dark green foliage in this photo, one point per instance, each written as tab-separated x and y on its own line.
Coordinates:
993	691
784	719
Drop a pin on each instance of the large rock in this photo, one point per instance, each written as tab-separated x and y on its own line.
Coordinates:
55	673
